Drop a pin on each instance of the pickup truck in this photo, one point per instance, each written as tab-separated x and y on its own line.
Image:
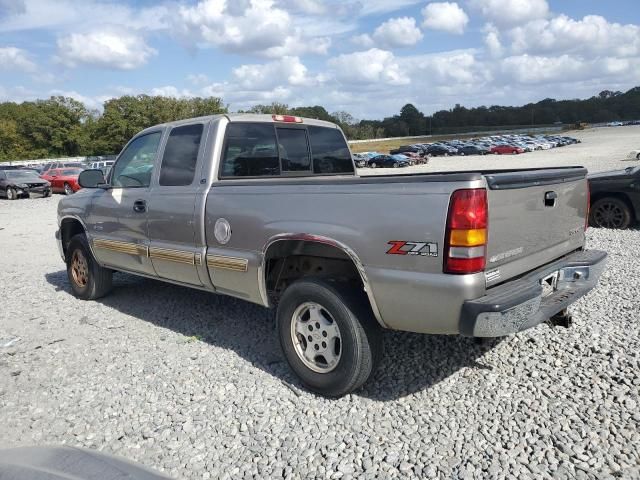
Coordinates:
270	209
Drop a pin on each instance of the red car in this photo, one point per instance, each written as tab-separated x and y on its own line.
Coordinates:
502	149
63	180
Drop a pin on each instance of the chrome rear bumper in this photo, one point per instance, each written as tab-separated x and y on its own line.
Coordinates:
521	304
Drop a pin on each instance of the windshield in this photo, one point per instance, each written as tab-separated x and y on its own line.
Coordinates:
22	175
71	171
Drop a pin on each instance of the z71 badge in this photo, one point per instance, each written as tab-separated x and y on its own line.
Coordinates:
424	249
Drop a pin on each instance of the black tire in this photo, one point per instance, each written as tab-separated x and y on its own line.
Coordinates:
98	280
638	156
11	193
610	212
360	335
67	189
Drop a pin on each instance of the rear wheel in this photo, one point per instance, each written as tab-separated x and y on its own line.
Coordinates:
88	279
67	189
373	165
328	336
11	193
610	212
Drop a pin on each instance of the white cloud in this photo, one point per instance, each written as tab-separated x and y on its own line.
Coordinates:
87	14
198	79
593	35
377	7
506	13
252	25
370	66
12	58
363	40
288	71
398	32
114	49
9	7
171	91
492	41
445	16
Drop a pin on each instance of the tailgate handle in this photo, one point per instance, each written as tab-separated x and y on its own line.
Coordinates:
550	199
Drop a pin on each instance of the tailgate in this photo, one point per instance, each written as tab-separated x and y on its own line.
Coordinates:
535	217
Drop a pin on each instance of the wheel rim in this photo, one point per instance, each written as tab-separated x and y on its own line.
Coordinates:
10	193
79	269
395	165
316	337
609	215
67	189
373	165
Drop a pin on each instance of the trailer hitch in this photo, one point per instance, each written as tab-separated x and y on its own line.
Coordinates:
561	319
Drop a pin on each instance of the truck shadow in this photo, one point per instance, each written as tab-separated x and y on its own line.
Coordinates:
411	362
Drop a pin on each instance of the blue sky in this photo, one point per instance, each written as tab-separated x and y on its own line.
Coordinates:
366	57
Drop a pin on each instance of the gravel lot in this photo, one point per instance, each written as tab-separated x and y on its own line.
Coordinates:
194	384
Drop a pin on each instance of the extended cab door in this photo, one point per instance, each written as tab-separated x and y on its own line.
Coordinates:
175	249
117	221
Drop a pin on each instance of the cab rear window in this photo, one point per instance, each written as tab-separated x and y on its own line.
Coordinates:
264	149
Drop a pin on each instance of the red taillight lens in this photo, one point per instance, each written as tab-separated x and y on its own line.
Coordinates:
286	118
468	209
466	233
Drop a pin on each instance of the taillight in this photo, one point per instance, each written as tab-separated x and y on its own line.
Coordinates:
466	234
286	118
586	219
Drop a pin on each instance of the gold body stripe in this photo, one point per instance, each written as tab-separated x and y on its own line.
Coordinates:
178	256
121	247
228	263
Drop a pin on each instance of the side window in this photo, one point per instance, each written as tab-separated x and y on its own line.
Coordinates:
180	156
250	151
135	164
330	151
2	175
294	150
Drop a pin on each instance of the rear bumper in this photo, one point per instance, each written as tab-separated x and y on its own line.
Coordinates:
520	304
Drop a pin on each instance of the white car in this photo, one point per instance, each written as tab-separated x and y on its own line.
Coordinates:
634	154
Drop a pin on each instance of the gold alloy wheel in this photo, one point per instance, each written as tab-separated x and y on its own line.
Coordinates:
79	269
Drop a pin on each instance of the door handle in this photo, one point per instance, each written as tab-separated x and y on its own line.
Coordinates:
140	206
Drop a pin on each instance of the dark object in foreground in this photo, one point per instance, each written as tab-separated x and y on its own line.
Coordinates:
615	198
69	463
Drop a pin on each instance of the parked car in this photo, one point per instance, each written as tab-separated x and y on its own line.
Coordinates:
438	150
59	165
103	165
615	198
634	154
359	159
16	183
387	161
473	150
506	149
407	148
483	255
63	180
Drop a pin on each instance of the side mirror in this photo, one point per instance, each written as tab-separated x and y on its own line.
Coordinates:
91	179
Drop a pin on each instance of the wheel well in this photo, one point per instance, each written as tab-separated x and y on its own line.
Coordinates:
68	228
620	196
289	260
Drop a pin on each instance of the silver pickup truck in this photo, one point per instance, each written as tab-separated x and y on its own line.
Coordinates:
270	209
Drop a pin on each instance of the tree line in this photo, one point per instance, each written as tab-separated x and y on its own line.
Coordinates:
63	127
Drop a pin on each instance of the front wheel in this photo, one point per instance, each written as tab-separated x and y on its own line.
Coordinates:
88	279
11	193
610	212
67	189
328	336
638	156
396	165
373	165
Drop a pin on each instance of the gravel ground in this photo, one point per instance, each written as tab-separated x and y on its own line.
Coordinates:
194	384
